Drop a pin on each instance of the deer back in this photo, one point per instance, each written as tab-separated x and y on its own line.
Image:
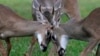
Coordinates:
8	17
6	12
92	21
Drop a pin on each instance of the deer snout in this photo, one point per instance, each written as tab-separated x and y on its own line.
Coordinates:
43	47
61	52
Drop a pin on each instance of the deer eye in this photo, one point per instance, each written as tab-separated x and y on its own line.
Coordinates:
54	38
48	34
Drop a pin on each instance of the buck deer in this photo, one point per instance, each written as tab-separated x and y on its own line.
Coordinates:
86	30
12	25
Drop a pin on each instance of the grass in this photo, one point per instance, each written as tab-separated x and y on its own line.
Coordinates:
23	8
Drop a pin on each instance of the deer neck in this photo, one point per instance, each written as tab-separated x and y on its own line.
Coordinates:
75	31
27	27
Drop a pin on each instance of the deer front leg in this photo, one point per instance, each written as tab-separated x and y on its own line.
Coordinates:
98	50
29	52
8	46
90	47
2	49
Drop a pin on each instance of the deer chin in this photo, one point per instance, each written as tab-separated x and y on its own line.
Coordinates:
42	45
39	37
61	52
63	44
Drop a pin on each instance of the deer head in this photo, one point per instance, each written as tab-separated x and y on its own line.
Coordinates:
44	35
60	38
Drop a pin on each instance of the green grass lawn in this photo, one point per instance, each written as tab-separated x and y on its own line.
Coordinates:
23	8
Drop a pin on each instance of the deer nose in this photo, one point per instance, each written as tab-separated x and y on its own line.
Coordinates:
61	52
43	47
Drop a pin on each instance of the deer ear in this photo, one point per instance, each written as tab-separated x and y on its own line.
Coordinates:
35	5
41	18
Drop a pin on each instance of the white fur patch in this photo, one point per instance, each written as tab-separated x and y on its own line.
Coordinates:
39	36
64	41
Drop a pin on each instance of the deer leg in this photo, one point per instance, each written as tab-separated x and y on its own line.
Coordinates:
31	47
98	50
8	46
89	48
2	49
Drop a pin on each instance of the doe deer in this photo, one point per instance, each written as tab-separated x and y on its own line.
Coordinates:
12	25
86	30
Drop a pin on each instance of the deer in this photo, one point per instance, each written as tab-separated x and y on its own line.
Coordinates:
85	30
13	25
71	10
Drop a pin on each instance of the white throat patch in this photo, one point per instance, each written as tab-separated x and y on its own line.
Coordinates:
39	36
64	41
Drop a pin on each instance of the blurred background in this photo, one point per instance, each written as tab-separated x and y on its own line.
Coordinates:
23	8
